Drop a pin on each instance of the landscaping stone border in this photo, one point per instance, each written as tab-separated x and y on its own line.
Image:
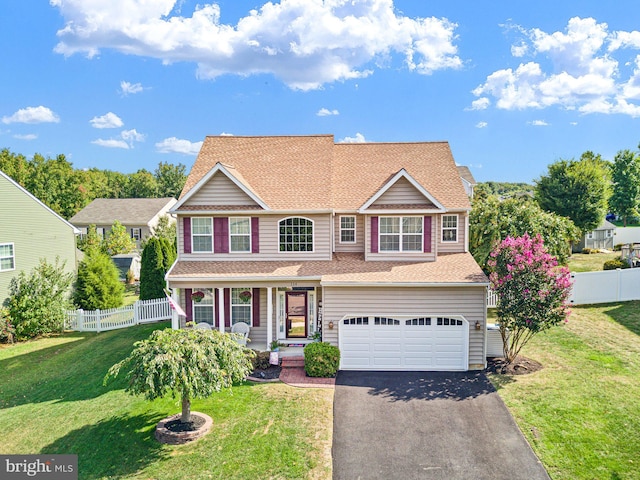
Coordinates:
164	435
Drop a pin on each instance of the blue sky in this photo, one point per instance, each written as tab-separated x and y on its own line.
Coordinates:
513	86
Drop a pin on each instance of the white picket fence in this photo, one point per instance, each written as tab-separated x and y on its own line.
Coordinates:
142	311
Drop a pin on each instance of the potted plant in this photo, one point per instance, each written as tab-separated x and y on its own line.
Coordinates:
245	295
197	296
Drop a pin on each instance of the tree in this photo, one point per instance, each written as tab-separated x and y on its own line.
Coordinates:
532	291
152	271
491	221
578	190
625	175
141	184
119	241
184	363
91	241
98	284
38	301
164	229
170	179
169	253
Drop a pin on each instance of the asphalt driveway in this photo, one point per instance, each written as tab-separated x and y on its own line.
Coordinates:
426	425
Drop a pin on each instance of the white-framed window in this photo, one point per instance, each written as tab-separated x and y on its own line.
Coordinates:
203	310
400	234
609	233
100	231
590	236
347	229
240	234
202	234
241	305
7	257
450	228
295	235
136	234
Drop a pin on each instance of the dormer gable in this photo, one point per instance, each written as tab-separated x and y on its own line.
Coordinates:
402	192
222	186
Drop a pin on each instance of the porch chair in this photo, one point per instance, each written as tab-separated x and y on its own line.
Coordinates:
242	331
203	326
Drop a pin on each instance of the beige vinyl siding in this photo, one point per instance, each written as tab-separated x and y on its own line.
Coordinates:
269	242
349	247
399	256
35	231
451	247
466	301
401	193
220	190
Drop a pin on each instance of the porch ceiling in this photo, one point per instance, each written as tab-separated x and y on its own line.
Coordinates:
454	268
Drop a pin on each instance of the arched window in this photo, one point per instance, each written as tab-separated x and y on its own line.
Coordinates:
296	235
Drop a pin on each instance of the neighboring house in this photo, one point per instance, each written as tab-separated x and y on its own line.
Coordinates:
363	243
138	215
467	180
30	231
600	238
127	262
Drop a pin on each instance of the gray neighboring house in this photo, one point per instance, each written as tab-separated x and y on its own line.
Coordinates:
467	179
138	215
600	238
30	231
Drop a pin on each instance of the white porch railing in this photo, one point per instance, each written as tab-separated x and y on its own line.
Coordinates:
142	311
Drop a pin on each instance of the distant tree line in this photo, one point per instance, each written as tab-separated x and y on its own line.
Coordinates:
67	190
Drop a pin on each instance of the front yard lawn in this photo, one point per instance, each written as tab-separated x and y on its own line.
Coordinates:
581	412
593	262
52	401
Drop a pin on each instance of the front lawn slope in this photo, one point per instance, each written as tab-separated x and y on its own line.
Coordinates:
581	413
52	401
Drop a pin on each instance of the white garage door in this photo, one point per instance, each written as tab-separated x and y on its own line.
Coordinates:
404	342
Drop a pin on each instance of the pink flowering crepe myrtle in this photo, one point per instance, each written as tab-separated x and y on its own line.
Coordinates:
532	290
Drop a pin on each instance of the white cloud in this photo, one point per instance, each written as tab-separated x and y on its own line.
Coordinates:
480	104
481	124
324	112
127	88
178	145
32	115
573	123
111	143
225	134
108	120
304	43
576	70
28	136
126	140
359	138
538	123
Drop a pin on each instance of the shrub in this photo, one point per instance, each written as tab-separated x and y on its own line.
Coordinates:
614	264
588	251
7	332
261	360
38	301
98	285
617	247
152	282
321	359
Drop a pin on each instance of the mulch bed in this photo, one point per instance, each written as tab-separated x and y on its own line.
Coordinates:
270	373
177	426
521	366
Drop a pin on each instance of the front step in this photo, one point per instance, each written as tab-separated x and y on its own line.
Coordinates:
292	362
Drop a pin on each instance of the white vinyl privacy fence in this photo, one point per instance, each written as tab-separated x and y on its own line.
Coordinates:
606	286
142	311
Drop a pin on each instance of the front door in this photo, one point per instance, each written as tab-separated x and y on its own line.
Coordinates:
296	314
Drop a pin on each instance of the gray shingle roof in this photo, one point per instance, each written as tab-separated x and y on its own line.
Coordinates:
128	211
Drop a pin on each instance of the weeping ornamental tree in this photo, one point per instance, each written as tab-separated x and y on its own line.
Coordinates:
532	290
184	363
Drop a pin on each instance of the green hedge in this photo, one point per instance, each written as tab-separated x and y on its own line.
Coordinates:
321	359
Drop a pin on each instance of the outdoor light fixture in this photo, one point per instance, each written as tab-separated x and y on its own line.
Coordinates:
331	325
477	325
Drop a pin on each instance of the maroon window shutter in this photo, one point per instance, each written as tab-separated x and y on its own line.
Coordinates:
188	304
427	234
221	235
186	227
374	234
255	235
216	313
255	299
227	307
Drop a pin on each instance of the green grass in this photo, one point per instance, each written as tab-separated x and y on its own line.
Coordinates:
130	294
581	412
593	262
52	401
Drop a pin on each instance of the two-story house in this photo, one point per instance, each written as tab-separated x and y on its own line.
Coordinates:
365	244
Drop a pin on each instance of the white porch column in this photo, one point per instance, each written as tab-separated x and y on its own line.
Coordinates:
221	308
269	316
175	320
